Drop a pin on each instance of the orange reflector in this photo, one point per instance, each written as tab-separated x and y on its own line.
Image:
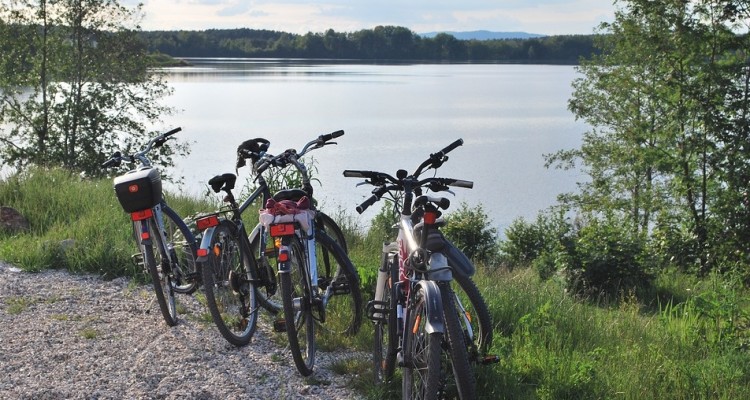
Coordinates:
415	328
217	250
468	315
202	252
145	236
282	230
207	222
430	218
141	215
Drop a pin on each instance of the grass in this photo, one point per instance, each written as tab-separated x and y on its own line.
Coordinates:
687	339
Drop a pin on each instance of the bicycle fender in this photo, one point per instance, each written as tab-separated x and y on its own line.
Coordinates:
434	312
458	261
208	235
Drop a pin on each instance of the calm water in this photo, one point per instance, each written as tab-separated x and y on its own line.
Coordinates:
394	116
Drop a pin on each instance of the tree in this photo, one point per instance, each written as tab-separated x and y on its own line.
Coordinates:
76	84
667	101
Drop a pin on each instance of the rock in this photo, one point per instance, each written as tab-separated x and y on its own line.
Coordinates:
12	221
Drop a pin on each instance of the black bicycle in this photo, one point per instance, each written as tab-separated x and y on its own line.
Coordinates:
167	247
237	267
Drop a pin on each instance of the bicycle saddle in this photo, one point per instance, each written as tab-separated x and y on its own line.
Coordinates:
251	149
289	194
223	181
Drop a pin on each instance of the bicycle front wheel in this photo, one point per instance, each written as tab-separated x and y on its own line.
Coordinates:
384	318
338	285
229	285
154	255
296	294
421	352
182	247
455	357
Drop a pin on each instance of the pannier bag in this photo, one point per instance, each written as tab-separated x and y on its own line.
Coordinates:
138	189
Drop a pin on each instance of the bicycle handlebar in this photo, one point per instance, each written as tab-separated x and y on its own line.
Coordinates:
385	183
157	141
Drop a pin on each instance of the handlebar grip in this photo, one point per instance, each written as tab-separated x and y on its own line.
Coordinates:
114	161
462	184
367	203
348	173
172	132
332	135
452	146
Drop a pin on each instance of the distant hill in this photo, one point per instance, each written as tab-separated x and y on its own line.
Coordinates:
484	35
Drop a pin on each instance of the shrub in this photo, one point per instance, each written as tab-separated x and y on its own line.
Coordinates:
607	261
526	241
470	229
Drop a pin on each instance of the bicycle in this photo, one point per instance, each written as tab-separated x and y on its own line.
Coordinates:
167	246
234	261
420	324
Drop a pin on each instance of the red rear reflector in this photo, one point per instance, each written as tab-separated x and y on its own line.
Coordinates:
284	256
145	236
430	218
207	222
202	252
141	215
133	188
282	230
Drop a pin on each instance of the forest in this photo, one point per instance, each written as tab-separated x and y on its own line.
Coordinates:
380	43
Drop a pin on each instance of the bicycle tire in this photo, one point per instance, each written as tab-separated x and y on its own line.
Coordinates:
479	318
332	229
296	296
422	353
229	285
183	248
455	355
343	308
385	328
162	283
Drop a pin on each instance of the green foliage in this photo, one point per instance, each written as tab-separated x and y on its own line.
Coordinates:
527	242
381	42
667	103
470	230
76	85
607	262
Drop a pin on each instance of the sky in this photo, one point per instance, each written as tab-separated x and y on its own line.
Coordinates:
549	17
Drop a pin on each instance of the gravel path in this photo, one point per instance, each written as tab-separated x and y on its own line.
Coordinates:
65	336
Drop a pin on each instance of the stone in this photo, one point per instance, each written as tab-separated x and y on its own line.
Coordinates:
12	221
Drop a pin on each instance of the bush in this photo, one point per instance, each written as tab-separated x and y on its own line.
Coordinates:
526	241
470	230
608	261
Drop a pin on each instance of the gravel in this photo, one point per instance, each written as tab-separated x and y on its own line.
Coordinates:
66	336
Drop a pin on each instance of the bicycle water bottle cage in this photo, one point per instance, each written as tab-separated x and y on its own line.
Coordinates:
222	182
251	149
289	194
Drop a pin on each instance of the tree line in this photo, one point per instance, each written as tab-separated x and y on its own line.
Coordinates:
380	43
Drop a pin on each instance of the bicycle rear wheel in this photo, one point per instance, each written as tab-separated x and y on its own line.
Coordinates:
339	281
296	294
158	268
229	285
422	352
183	247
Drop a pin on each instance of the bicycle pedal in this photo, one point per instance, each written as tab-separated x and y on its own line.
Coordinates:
490	359
137	259
279	325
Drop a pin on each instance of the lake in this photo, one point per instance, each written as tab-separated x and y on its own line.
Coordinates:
394	116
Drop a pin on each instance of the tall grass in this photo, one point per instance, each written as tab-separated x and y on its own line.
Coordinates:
689	340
